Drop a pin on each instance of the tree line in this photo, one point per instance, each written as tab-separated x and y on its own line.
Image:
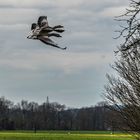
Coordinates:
27	115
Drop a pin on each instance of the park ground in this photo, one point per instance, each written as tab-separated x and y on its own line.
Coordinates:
64	135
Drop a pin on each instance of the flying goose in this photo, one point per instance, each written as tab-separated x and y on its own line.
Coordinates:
42	31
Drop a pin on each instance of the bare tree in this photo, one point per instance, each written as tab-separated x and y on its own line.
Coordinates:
130	28
123	91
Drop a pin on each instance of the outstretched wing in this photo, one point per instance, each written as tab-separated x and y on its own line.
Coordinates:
42	21
48	41
58	26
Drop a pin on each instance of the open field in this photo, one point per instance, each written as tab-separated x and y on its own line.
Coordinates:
63	135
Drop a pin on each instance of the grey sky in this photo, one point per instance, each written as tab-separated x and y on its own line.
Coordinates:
75	77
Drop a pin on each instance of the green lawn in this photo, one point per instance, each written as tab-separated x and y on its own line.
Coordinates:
63	135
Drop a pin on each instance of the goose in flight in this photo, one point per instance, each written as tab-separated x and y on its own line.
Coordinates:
42	31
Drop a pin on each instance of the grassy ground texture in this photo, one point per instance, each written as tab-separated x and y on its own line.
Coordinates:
63	135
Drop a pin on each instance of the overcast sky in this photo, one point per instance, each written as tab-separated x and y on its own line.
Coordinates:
32	71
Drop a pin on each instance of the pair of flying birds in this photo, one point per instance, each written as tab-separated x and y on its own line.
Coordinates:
42	31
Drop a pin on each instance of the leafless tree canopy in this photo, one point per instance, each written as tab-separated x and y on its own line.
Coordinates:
123	90
130	27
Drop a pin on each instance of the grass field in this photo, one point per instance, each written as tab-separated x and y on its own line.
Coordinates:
63	135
